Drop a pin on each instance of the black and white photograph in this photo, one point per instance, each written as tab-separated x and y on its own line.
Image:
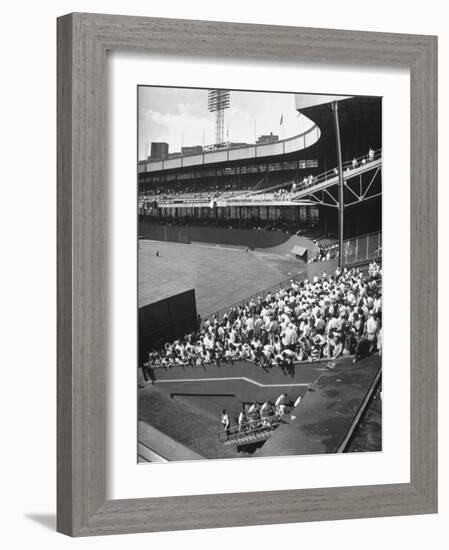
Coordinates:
259	274
223	235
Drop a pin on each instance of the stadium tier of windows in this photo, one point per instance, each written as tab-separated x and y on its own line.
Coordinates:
240	216
261	168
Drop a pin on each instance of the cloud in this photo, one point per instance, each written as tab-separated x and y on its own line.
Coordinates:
180	117
183	126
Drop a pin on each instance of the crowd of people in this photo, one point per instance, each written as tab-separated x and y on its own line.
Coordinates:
209	190
324	253
191	190
325	318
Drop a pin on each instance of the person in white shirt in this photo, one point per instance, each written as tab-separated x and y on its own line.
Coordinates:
280	404
209	342
289	318
225	422
379	341
371	327
242	419
298	401
265	409
249	323
253	412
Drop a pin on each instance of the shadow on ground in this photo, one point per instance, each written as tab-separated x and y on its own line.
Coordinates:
46	520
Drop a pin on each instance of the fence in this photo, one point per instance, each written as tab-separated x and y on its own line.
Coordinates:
362	249
347	166
252	238
250	432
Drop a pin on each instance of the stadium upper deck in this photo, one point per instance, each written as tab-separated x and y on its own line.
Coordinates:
264	182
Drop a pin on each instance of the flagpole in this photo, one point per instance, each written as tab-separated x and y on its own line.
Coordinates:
281	123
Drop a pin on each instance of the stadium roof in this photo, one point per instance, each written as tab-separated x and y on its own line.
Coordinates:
305	101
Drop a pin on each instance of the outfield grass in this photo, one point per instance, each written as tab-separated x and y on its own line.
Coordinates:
220	276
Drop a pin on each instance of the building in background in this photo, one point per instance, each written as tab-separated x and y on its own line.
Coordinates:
267	138
159	150
192	150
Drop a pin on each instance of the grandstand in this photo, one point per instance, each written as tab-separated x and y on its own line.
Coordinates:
292	182
282	244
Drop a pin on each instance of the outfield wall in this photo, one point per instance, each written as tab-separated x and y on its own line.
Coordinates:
251	238
166	320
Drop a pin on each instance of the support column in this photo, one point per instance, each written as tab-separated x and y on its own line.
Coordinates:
341	205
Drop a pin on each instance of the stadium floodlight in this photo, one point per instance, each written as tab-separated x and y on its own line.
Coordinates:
218	101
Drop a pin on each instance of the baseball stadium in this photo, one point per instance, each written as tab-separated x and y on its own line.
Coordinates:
260	288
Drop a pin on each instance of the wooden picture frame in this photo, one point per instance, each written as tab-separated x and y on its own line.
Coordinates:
83	40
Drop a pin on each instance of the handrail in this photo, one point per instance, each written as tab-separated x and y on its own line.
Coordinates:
253	195
253	427
333	173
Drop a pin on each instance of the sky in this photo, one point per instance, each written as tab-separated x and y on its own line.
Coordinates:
179	116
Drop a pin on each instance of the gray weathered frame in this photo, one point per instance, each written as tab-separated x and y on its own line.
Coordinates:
83	40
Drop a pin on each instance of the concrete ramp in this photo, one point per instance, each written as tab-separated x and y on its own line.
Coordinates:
327	415
154	446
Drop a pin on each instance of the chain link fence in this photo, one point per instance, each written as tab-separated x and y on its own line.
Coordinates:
363	248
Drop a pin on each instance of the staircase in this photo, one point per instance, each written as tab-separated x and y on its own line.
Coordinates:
326	179
251	432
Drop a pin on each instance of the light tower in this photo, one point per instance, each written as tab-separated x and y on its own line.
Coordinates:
218	101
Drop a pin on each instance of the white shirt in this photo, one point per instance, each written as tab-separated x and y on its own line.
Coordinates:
225	420
371	326
280	400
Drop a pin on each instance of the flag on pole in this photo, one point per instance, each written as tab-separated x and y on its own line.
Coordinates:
282	119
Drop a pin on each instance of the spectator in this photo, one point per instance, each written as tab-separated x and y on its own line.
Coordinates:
225	422
281	404
242	419
323	318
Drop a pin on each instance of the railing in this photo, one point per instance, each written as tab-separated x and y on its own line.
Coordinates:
363	248
250	432
348	166
239	197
